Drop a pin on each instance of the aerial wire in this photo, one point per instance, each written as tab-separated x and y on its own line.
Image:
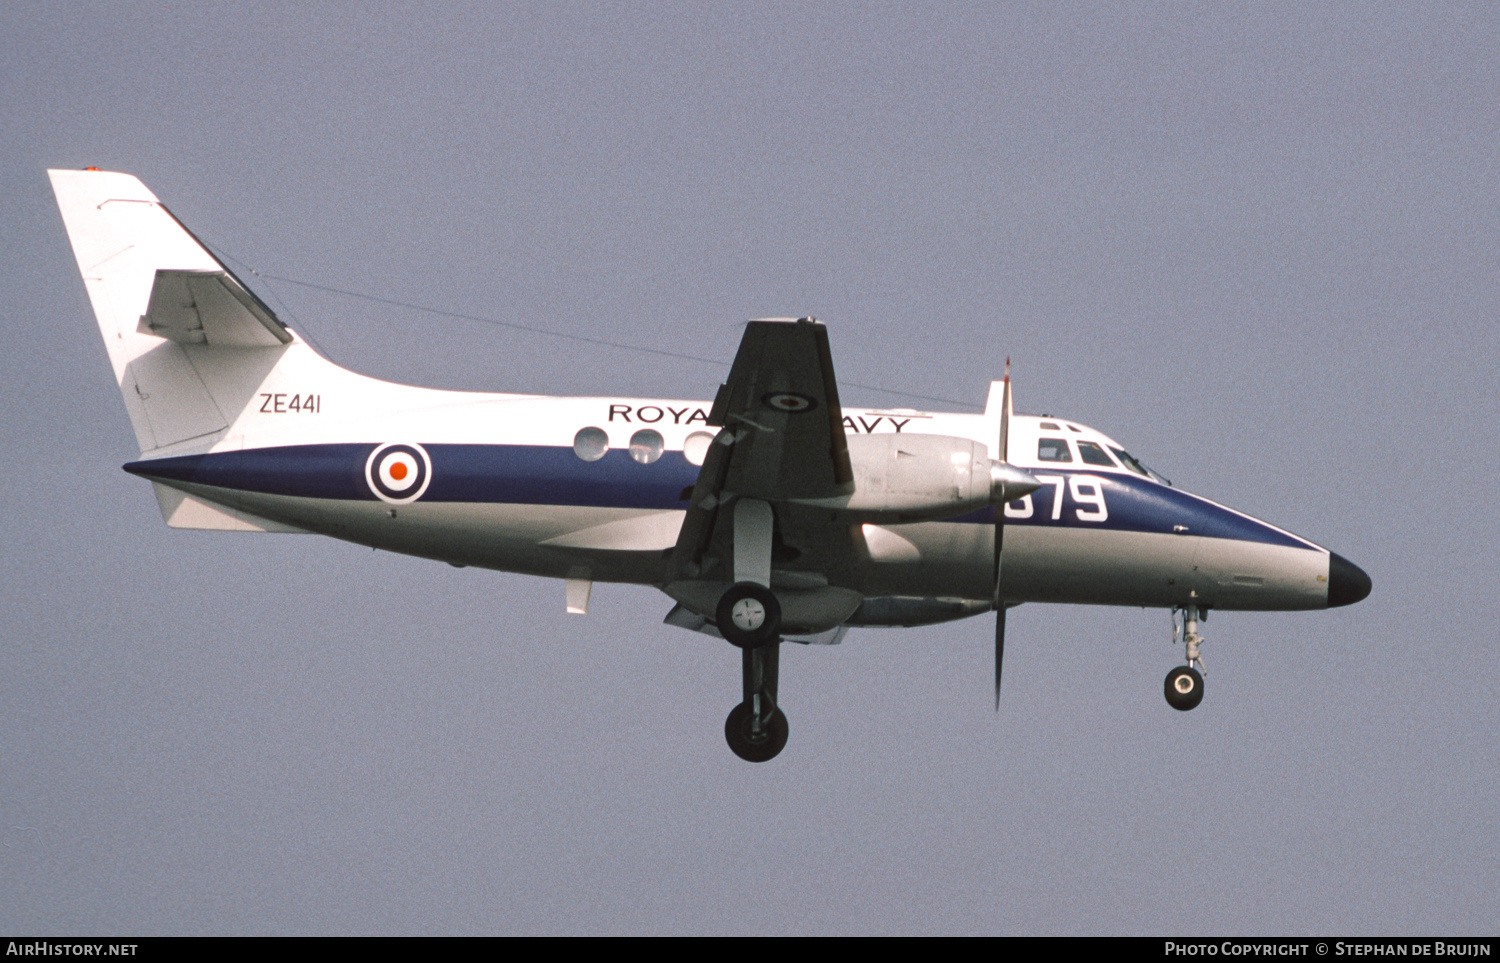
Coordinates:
297	323
533	329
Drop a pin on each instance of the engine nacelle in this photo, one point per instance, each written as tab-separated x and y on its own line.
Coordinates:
908	478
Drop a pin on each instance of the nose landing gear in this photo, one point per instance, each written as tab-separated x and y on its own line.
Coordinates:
1184	688
1184	684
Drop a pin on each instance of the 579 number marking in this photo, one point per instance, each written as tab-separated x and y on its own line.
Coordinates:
1087	493
279	404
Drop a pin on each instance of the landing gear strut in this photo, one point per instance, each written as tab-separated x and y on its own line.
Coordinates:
1184	684
756	729
749	616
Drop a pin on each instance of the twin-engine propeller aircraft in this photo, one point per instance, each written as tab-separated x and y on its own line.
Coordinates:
771	514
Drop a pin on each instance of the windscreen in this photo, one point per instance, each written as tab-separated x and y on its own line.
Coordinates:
1129	461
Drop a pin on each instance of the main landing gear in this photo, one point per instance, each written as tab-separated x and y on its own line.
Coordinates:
756	729
749	616
1184	684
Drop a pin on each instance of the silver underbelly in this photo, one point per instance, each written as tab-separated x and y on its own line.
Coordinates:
1100	567
504	537
930	559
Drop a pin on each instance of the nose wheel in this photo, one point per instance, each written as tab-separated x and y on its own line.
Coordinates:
1184	688
1184	684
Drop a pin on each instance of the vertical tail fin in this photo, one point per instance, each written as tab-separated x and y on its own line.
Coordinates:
163	302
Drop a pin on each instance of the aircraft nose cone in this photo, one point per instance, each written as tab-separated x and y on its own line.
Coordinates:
1347	582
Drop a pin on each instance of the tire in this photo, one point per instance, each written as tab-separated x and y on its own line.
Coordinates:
770	743
749	616
1184	688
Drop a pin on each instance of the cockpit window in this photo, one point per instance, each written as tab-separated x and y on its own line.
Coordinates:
1092	454
1053	449
1131	463
1137	467
1051	425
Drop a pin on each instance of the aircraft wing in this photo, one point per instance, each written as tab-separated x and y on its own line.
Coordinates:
782	402
782	437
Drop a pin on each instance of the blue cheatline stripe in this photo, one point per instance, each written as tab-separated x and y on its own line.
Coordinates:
306	471
514	474
1138	505
548	475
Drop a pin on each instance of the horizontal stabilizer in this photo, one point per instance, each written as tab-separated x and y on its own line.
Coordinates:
209	307
181	510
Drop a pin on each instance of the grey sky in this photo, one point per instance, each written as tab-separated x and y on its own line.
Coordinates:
1256	243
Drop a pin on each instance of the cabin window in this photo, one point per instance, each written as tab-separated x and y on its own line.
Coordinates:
1051	426
590	444
695	447
1053	449
646	445
1093	454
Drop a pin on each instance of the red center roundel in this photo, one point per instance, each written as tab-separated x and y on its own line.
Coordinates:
789	401
398	473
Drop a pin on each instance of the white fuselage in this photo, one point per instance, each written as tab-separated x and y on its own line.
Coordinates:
515	486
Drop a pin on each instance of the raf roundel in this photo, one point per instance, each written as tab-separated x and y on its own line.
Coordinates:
789	401
398	473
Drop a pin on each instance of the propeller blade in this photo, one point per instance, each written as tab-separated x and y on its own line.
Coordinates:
1005	413
999	650
1002	450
